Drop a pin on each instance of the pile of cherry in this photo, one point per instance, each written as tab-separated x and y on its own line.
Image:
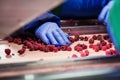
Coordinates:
104	43
32	43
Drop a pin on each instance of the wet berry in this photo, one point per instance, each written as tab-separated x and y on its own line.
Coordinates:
74	56
7	51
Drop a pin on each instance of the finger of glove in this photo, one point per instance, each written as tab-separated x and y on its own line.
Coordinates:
106	18
42	36
51	38
103	13
59	38
64	36
110	4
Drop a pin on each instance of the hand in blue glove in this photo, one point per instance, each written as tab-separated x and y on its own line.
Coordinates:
50	32
105	12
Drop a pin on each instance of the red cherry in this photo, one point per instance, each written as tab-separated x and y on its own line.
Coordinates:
41	47
81	38
91	41
86	38
82	54
7	51
94	37
36	47
87	52
10	39
96	48
84	46
105	37
104	48
99	37
69	49
109	40
115	52
64	48
76	34
21	51
108	52
78	49
108	46
71	39
103	43
74	56
46	49
91	46
55	49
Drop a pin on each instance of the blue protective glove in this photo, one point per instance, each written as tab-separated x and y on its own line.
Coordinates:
105	12
50	32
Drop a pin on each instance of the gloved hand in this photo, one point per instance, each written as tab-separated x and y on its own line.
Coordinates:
50	32
105	12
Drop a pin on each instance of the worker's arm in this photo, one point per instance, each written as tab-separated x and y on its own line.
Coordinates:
78	9
46	17
47	28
